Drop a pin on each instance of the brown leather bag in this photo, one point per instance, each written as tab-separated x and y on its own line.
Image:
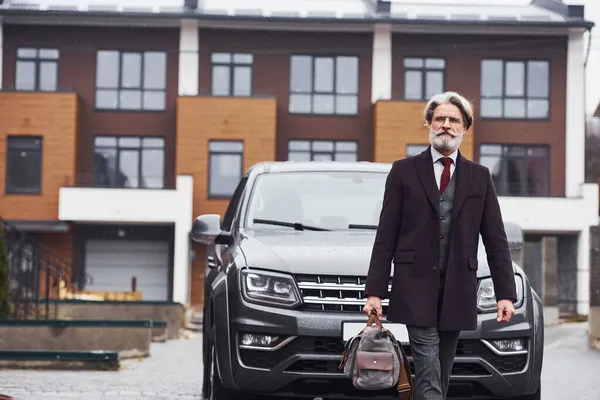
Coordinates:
374	360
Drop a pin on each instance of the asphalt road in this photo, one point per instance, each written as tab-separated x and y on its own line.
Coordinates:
173	371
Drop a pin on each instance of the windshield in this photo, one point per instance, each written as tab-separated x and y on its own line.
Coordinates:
333	200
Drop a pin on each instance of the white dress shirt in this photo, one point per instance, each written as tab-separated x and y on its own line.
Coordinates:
438	167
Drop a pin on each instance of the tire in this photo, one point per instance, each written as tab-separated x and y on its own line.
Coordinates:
215	388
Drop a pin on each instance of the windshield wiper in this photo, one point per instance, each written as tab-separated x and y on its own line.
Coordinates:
355	226
296	225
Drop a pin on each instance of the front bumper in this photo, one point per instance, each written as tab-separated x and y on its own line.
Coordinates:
306	366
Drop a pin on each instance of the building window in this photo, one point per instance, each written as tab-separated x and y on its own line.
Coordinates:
518	170
225	169
37	70
24	165
324	85
231	74
415	149
515	89
131	81
423	77
129	162
322	150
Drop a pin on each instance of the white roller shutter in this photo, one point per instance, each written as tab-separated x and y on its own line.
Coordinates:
112	264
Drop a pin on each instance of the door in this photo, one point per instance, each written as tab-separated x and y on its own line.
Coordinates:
112	263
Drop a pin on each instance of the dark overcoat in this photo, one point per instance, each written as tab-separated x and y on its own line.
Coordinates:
408	236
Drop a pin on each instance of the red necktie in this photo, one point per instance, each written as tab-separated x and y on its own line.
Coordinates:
445	173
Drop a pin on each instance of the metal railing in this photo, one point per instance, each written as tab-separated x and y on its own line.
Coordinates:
35	276
121	181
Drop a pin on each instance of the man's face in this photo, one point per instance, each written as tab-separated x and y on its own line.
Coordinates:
447	127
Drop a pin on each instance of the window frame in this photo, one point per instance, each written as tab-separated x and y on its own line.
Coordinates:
12	190
119	88
37	61
423	70
139	149
334	152
526	98
233	65
212	153
526	146
334	93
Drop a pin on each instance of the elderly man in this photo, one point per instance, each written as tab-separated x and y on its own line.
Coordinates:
435	206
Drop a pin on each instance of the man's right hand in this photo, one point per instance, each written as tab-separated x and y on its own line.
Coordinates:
373	303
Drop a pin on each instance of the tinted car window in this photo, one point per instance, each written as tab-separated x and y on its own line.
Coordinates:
327	199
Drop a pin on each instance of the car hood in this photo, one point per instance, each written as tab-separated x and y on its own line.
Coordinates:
309	252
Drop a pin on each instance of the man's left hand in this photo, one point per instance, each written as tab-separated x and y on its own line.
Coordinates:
506	310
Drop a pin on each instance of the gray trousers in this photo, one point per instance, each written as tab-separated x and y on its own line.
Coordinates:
433	354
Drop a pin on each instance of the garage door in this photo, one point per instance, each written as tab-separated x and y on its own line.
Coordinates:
111	264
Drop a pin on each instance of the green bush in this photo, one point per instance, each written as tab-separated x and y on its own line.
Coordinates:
4	283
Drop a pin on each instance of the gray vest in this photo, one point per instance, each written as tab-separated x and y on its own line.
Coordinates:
446	206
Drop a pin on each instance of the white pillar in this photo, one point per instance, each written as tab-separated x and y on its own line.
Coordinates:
181	251
575	118
188	58
1	53
583	272
381	75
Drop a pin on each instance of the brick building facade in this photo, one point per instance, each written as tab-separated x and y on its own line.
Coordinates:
118	126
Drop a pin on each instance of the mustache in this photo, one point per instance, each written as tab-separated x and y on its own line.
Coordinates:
444	131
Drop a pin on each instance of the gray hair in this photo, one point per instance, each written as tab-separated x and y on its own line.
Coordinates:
454	98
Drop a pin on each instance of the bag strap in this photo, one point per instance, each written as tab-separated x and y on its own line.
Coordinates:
404	376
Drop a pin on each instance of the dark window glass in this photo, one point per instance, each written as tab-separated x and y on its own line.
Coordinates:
131	80
329	199
423	77
129	162
515	89
232	74
24	164
518	170
226	159
324	85
322	150
37	70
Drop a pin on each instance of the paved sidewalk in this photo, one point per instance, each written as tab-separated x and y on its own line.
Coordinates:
173	371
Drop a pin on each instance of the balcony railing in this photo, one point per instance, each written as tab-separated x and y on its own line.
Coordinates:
120	181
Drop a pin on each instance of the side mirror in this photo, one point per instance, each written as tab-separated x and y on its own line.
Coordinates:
206	228
516	241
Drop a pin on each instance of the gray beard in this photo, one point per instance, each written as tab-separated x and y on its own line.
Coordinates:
450	143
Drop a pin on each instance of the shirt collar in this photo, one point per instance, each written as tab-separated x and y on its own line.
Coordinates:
436	155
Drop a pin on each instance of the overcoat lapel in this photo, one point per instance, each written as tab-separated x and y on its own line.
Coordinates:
463	180
427	178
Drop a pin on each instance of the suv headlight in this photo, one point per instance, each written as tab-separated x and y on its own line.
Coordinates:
486	297
271	288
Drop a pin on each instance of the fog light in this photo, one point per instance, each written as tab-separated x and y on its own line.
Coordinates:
263	342
258	340
507	346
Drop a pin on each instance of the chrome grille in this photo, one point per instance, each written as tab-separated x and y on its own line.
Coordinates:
334	293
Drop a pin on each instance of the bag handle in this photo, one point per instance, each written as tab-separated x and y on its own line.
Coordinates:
374	318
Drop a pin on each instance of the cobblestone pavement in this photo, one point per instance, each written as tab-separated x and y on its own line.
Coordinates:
173	372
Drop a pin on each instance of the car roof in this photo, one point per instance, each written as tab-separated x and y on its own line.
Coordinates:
300	166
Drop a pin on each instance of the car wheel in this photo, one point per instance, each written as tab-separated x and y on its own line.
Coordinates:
216	390
206	362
